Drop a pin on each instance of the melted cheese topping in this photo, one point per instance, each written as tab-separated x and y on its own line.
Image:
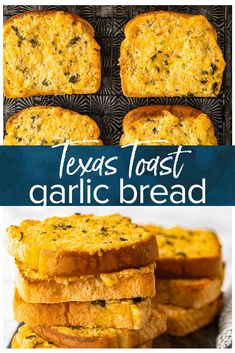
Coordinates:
86	233
185	243
109	279
169	54
51	126
169	129
49	53
26	338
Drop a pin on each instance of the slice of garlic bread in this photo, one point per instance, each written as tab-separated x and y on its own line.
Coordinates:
167	125
167	54
35	287
50	52
82	244
81	337
129	314
181	322
187	253
47	125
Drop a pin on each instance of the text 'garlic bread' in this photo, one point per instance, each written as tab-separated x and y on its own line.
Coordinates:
167	54
130	314
167	125
50	52
35	287
82	244
80	337
187	253
46	125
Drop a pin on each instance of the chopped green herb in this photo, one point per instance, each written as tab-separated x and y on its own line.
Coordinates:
154	130
123	239
74	78
204	81
181	253
101	303
34	42
15	29
21	236
137	300
214	68
153	57
30	337
45	83
73	41
215	87
75	327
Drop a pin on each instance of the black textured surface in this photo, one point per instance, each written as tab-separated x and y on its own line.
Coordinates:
109	106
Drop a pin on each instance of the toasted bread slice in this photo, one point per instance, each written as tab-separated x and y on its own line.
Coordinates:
187	293
45	125
50	52
187	253
82	244
168	54
129	314
79	337
167	125
181	322
34	287
26	338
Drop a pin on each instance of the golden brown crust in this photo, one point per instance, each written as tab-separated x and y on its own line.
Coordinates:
77	18
168	130
90	31
16	136
103	338
187	293
181	322
181	111
189	268
128	30
187	253
82	245
103	314
177	14
26	338
84	289
73	263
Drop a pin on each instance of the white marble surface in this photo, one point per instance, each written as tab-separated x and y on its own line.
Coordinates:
217	218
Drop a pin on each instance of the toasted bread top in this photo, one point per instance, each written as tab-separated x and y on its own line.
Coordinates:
167	125
79	233
46	125
179	242
50	52
82	244
170	54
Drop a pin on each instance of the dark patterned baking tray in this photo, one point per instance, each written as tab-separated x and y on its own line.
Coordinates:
109	106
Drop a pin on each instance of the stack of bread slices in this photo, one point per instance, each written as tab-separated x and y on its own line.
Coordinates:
189	275
85	281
